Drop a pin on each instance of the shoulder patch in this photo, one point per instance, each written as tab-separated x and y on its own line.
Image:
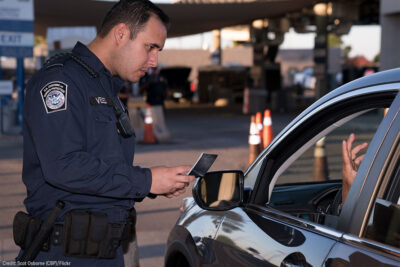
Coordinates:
54	96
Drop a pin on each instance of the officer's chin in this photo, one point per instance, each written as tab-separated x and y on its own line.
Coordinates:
136	78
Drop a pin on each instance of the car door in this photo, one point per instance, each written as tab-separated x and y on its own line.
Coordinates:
371	221
266	232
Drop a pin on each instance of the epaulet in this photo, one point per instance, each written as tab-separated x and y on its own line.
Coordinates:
83	64
57	60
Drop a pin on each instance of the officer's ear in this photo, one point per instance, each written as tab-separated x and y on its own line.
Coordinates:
121	34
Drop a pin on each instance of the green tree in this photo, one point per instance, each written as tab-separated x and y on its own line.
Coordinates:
346	51
377	58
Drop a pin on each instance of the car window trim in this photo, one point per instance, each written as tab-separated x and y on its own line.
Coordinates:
370	244
393	181
287	218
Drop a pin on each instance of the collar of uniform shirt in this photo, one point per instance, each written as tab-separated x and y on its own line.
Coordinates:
94	62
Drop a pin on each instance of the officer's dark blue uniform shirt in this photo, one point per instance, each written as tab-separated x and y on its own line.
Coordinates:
72	149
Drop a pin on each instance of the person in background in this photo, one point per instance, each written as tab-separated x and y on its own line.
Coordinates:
125	93
155	88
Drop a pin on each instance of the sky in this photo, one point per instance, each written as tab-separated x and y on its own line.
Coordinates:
364	40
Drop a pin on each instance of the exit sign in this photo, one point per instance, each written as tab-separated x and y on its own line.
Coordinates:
16	28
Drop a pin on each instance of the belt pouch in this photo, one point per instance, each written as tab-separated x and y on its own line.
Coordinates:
76	232
25	227
97	233
108	247
129	228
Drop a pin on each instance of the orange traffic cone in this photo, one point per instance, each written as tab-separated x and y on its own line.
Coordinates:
246	100
254	140
259	124
320	172
268	134
148	137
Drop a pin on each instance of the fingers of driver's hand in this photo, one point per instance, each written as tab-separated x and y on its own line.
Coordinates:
356	150
350	141
345	153
359	148
358	160
351	138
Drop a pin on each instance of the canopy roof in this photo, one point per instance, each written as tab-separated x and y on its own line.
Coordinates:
185	18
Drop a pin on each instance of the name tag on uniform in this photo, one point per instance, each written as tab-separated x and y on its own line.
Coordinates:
100	100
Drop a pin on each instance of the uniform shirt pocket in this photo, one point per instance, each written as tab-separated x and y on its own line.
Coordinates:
104	132
102	116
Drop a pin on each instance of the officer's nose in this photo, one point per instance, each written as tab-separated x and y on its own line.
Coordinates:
153	59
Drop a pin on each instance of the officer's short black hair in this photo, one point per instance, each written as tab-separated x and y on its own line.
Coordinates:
134	13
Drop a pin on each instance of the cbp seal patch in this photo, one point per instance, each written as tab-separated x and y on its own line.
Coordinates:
54	96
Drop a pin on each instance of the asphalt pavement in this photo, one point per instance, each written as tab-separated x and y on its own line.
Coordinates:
194	129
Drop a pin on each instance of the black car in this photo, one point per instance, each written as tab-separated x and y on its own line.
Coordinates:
278	213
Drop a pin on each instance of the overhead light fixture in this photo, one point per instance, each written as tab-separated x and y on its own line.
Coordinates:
323	9
260	23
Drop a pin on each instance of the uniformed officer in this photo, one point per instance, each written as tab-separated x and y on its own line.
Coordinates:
76	145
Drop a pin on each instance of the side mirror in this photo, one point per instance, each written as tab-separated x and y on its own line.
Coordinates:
220	190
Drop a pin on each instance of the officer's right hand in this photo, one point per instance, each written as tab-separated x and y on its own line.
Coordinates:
170	181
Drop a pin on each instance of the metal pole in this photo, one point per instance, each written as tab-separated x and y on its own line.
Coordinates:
321	57
20	89
217	49
1	100
1	70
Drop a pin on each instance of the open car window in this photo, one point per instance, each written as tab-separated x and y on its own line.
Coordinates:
308	182
292	180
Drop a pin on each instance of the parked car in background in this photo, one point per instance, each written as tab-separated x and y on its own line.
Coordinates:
278	213
305	79
178	87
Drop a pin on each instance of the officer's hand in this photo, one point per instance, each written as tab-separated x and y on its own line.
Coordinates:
170	181
176	193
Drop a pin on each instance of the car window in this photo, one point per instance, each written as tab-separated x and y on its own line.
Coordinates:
308	183
323	160
383	224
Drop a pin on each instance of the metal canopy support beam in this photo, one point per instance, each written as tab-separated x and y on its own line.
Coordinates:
390	39
321	56
216	55
20	89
